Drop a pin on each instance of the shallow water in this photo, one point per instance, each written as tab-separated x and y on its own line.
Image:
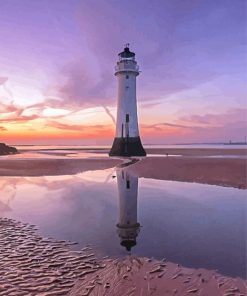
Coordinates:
55	154
190	224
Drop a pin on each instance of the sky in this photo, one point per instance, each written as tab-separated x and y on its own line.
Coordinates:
57	58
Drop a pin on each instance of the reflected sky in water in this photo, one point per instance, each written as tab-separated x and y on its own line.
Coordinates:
191	224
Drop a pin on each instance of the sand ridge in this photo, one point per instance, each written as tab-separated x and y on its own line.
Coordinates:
135	276
31	265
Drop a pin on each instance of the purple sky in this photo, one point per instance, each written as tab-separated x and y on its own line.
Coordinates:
60	54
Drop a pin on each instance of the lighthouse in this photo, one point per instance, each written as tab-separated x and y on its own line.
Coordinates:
127	140
128	227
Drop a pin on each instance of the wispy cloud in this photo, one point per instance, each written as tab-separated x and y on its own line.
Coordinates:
77	87
149	104
108	112
64	126
161	126
3	129
75	127
3	81
200	128
11	113
230	116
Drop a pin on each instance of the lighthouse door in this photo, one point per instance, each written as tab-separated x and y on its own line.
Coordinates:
127	126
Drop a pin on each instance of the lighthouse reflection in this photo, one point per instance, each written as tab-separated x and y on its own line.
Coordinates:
127	227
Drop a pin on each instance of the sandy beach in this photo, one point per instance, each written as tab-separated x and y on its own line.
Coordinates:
142	276
214	171
34	265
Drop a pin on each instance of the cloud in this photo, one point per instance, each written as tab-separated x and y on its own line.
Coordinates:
75	86
88	80
168	63
78	87
75	127
9	112
64	126
161	126
230	116
222	127
149	104
3	80
108	112
172	40
175	51
3	129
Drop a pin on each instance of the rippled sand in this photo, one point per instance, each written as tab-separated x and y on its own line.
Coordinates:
134	276
33	265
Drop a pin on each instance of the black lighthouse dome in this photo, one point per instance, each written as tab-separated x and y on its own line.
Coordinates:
126	53
128	244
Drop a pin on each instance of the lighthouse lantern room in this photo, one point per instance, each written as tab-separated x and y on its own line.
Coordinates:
127	141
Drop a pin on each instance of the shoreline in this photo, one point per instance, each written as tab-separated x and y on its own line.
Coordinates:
198	151
191	166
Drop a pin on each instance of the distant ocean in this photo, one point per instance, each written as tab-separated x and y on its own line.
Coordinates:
175	146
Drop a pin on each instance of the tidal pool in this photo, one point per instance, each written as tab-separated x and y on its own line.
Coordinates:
189	224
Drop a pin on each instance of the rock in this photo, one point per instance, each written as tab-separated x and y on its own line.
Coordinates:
6	150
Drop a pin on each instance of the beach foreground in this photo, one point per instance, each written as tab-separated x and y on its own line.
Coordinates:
34	265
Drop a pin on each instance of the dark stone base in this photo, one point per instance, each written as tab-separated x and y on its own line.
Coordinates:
127	147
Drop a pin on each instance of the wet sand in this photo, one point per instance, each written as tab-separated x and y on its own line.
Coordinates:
33	265
53	167
197	151
193	166
214	171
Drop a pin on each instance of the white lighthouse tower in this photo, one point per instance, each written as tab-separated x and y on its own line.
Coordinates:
127	141
128	227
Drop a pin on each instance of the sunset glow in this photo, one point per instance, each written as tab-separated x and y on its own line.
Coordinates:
58	85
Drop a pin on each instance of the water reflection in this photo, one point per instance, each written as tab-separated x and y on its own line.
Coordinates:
176	216
128	227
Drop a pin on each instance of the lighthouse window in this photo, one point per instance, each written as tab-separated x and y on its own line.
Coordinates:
127	76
